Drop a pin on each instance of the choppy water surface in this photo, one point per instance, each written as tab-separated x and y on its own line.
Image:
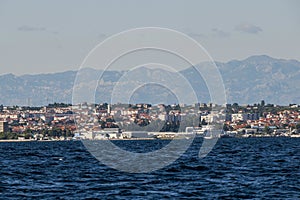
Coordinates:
235	169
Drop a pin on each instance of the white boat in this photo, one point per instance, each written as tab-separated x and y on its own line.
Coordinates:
212	134
295	136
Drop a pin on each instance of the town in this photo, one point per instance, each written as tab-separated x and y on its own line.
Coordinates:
59	121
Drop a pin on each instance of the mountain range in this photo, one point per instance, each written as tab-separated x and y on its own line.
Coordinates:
246	81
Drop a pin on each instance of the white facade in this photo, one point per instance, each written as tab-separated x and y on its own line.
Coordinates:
135	134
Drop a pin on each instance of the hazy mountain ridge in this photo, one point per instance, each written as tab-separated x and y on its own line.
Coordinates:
262	77
246	81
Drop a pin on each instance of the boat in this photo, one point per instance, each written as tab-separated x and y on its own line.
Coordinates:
212	134
295	136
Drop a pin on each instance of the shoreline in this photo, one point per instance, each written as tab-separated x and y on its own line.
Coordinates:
134	139
33	140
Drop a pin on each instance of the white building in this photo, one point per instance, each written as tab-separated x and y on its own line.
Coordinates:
135	134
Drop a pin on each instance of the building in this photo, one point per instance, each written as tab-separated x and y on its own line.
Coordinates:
244	116
135	134
3	127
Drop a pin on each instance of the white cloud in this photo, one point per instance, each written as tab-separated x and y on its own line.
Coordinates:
31	28
27	28
220	33
248	28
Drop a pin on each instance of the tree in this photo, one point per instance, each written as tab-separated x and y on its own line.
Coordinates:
3	136
203	122
235	105
27	135
8	136
225	127
267	130
262	103
298	127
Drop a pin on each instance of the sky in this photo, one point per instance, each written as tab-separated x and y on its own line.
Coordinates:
52	36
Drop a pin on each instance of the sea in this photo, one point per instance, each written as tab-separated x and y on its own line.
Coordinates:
236	168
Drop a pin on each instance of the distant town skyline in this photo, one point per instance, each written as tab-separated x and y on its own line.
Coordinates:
51	36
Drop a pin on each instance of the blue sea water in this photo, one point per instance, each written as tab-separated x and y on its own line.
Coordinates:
249	168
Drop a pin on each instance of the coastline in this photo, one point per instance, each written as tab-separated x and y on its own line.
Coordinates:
134	139
32	140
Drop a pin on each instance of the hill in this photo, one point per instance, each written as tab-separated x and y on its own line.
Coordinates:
246	81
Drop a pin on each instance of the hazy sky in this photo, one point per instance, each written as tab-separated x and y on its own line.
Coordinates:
50	36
